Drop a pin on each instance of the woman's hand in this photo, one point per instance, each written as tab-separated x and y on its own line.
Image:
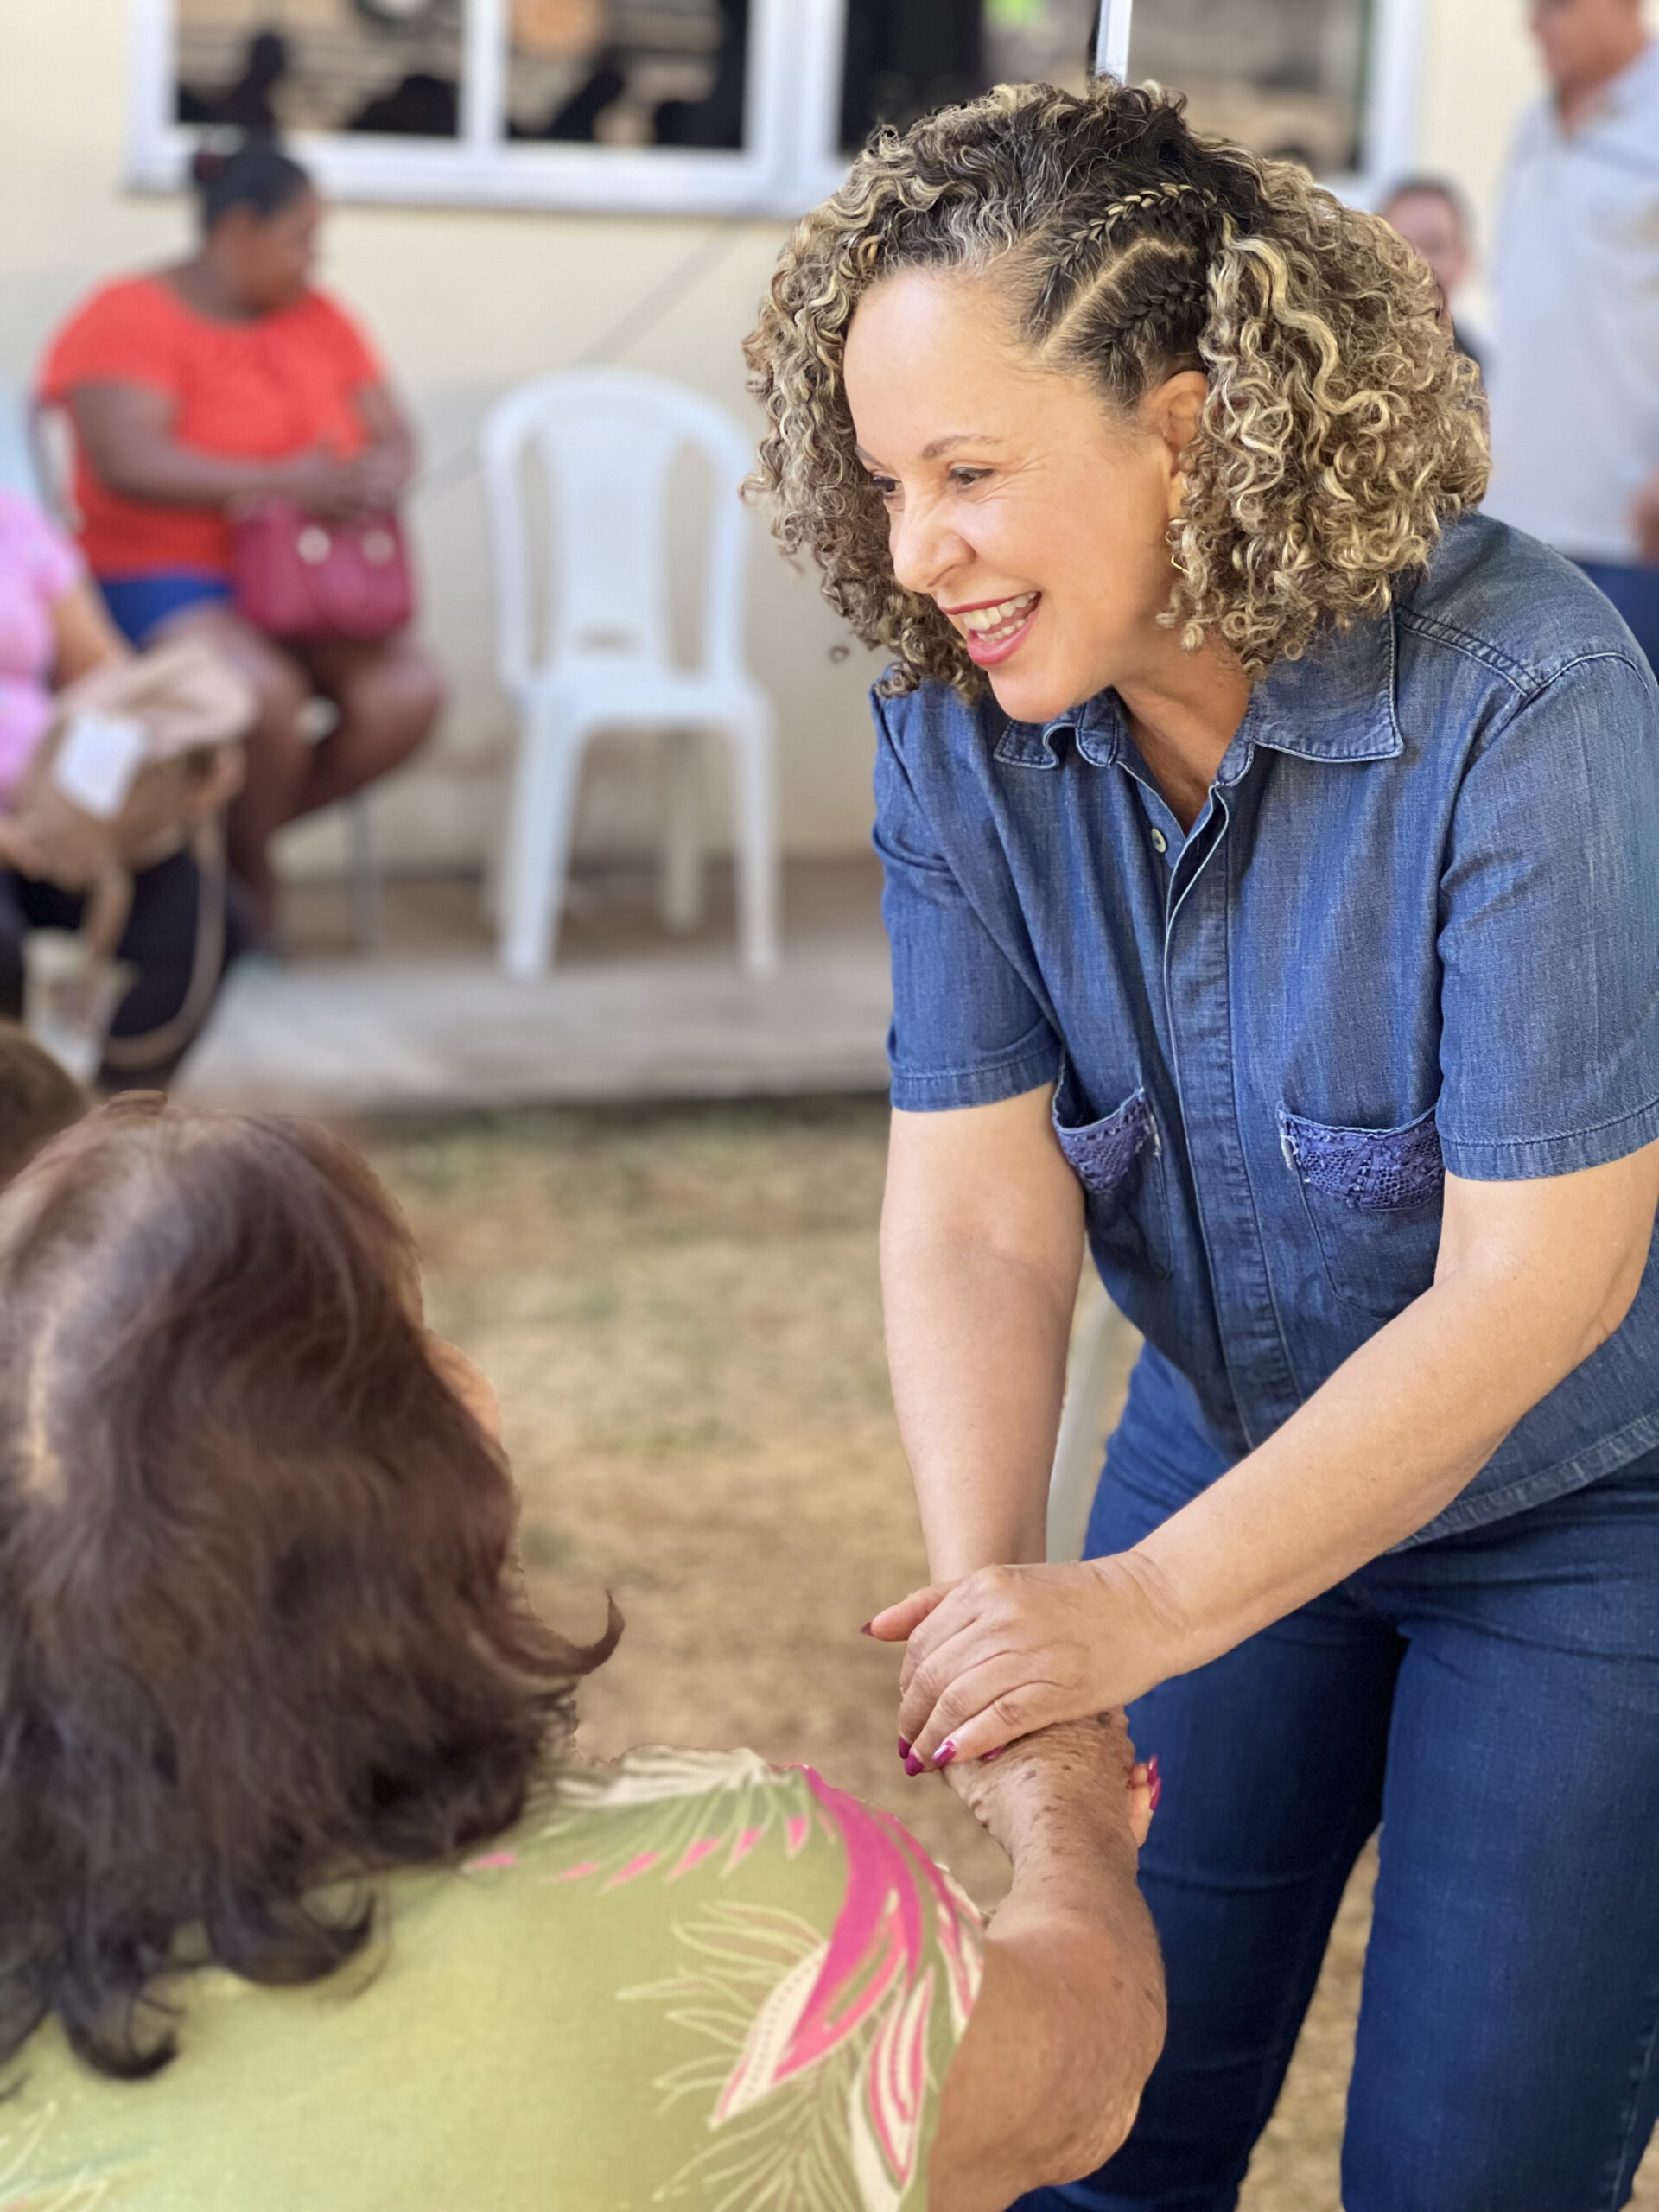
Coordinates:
320	483
1013	1648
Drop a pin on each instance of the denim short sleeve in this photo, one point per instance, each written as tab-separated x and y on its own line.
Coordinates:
967	1029
1549	933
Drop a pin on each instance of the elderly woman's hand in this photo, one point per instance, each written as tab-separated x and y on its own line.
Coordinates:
1014	1648
1079	1779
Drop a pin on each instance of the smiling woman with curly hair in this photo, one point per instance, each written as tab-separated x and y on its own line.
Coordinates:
1270	843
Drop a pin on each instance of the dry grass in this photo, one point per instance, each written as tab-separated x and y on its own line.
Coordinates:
679	1310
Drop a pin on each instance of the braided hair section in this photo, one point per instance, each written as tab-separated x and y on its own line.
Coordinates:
1341	433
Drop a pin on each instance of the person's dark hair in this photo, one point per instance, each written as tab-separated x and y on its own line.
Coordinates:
258	175
261	1626
37	1099
1430	187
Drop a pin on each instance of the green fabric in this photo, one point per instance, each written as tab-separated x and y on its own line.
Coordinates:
689	1980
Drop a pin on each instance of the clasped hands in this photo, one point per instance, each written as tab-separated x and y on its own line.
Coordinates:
1009	1649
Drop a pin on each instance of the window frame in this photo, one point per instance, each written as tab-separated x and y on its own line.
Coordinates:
790	161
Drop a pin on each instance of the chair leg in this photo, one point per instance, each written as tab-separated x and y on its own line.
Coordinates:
537	841
365	882
755	819
679	894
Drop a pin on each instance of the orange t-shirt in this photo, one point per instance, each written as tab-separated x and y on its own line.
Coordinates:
256	390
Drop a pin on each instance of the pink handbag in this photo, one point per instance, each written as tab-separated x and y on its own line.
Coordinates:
296	576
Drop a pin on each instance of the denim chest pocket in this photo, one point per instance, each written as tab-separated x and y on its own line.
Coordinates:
1372	1198
1119	1161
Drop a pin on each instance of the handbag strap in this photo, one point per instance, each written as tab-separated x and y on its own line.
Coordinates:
171	1037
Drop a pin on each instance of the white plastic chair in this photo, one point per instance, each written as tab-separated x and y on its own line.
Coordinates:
606	442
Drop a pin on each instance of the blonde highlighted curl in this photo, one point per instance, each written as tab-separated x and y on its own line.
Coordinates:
1341	433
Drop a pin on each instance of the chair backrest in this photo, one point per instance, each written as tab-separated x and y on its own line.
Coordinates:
607	440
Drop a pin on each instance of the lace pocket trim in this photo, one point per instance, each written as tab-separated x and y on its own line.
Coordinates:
1102	1152
1377	1170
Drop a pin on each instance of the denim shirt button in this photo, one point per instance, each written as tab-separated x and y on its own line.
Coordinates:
1160	843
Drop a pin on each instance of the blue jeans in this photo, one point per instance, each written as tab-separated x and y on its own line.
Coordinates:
1634	592
1493	1698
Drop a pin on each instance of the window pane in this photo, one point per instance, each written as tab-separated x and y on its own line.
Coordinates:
387	65
1285	76
629	73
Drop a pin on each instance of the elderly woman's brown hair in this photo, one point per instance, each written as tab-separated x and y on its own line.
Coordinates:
1341	432
260	1622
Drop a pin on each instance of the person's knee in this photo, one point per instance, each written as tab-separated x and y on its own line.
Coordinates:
280	687
396	702
419	684
281	692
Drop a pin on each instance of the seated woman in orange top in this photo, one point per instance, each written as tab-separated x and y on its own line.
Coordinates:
222	380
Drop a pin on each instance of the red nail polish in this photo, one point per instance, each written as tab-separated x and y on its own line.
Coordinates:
912	1764
1154	1782
904	1748
945	1753
985	1758
868	1629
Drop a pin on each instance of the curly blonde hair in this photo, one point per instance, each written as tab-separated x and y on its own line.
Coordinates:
1341	433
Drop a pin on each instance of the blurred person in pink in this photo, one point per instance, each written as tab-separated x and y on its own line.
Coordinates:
53	628
1575	379
201	391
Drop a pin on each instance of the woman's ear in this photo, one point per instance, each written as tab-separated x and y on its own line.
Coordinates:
1172	414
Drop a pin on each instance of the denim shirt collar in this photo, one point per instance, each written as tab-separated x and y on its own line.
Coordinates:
1338	705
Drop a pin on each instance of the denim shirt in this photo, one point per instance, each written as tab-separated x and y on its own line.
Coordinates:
1415	927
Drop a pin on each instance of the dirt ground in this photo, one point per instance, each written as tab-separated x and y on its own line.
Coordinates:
679	1310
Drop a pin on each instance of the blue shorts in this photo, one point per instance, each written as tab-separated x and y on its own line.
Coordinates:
139	605
1634	592
1492	1699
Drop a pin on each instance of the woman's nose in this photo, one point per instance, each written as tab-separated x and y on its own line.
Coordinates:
923	548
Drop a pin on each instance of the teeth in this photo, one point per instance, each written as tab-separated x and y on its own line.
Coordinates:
1006	611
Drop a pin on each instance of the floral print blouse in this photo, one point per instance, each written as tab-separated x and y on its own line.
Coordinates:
689	1980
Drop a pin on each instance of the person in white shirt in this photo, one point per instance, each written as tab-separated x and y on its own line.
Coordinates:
1575	381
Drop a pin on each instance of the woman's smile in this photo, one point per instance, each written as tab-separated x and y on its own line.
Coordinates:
995	629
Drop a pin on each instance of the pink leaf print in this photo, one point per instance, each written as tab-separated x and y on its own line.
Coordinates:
763	2062
877	1940
694	1854
491	1862
641	1863
797	1828
887	2102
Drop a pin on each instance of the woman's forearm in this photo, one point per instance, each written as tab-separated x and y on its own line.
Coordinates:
1533	1277
1048	2078
1071	2014
137	461
976	1346
982	1243
1394	1435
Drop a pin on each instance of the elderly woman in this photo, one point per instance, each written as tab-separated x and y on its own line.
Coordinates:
1271	847
198	392
304	1899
